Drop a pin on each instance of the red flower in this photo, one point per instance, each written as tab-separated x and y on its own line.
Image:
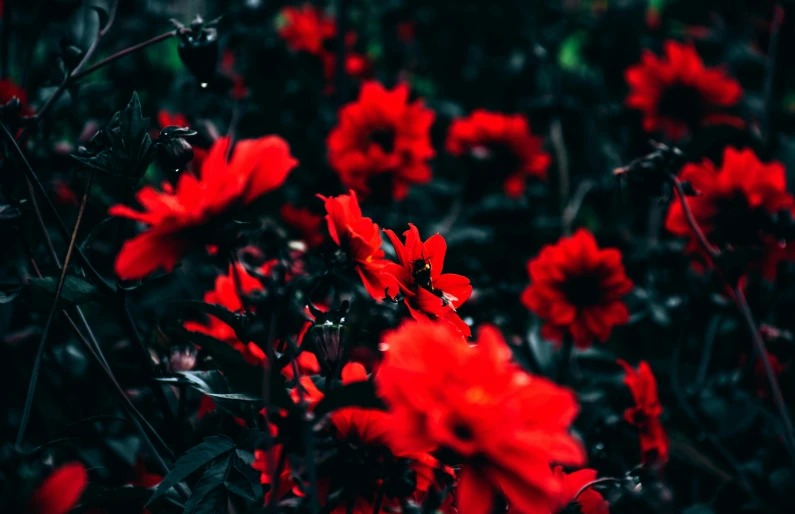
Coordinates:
267	461
374	429
306	29
382	142
645	414
589	501
142	477
504	425
361	239
178	217
677	94
167	119
64	194
239	88
226	295
505	140
305	222
428	293
734	204
59	492
576	287
9	90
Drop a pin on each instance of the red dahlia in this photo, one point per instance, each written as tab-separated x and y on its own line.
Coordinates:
502	424
226	295
178	218
735	204
505	140
305	222
382	142
576	288
9	90
645	414
427	292
677	94
60	491
306	29
360	238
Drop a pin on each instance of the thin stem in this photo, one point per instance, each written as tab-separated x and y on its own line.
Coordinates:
66	82
564	357
706	351
339	74
561	157
574	205
378	500
34	376
605	480
74	77
691	220
775	389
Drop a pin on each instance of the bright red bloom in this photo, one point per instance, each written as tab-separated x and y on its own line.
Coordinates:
167	119
590	501
645	414
226	295
576	287
505	425
504	139
267	461
382	142
59	492
179	217
427	292
361	239
734	205
374	429
677	94
305	222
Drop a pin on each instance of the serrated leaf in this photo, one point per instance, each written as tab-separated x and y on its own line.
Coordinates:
75	289
195	458
208	495
357	394
241	482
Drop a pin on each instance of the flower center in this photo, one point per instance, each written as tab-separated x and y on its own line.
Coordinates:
385	138
583	290
463	431
736	223
498	160
684	103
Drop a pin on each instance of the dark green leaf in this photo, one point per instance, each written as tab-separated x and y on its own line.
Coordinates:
227	357
234	320
75	289
208	495
243	481
194	459
357	394
8	293
102	14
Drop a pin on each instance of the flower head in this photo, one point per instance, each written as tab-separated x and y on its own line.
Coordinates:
677	94
60	491
506	141
360	238
645	414
305	222
382	142
178	218
503	425
735	204
306	29
428	293
576	287
9	90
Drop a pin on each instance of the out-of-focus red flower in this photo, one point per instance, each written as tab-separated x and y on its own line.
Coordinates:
427	292
734	204
370	428
178	218
677	94
590	501
239	88
382	142
645	414
305	222
267	461
503	424
306	28
407	31
576	287
506	141
59	492
64	194
226	295
760	375
142	477
9	90
168	119
360	238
